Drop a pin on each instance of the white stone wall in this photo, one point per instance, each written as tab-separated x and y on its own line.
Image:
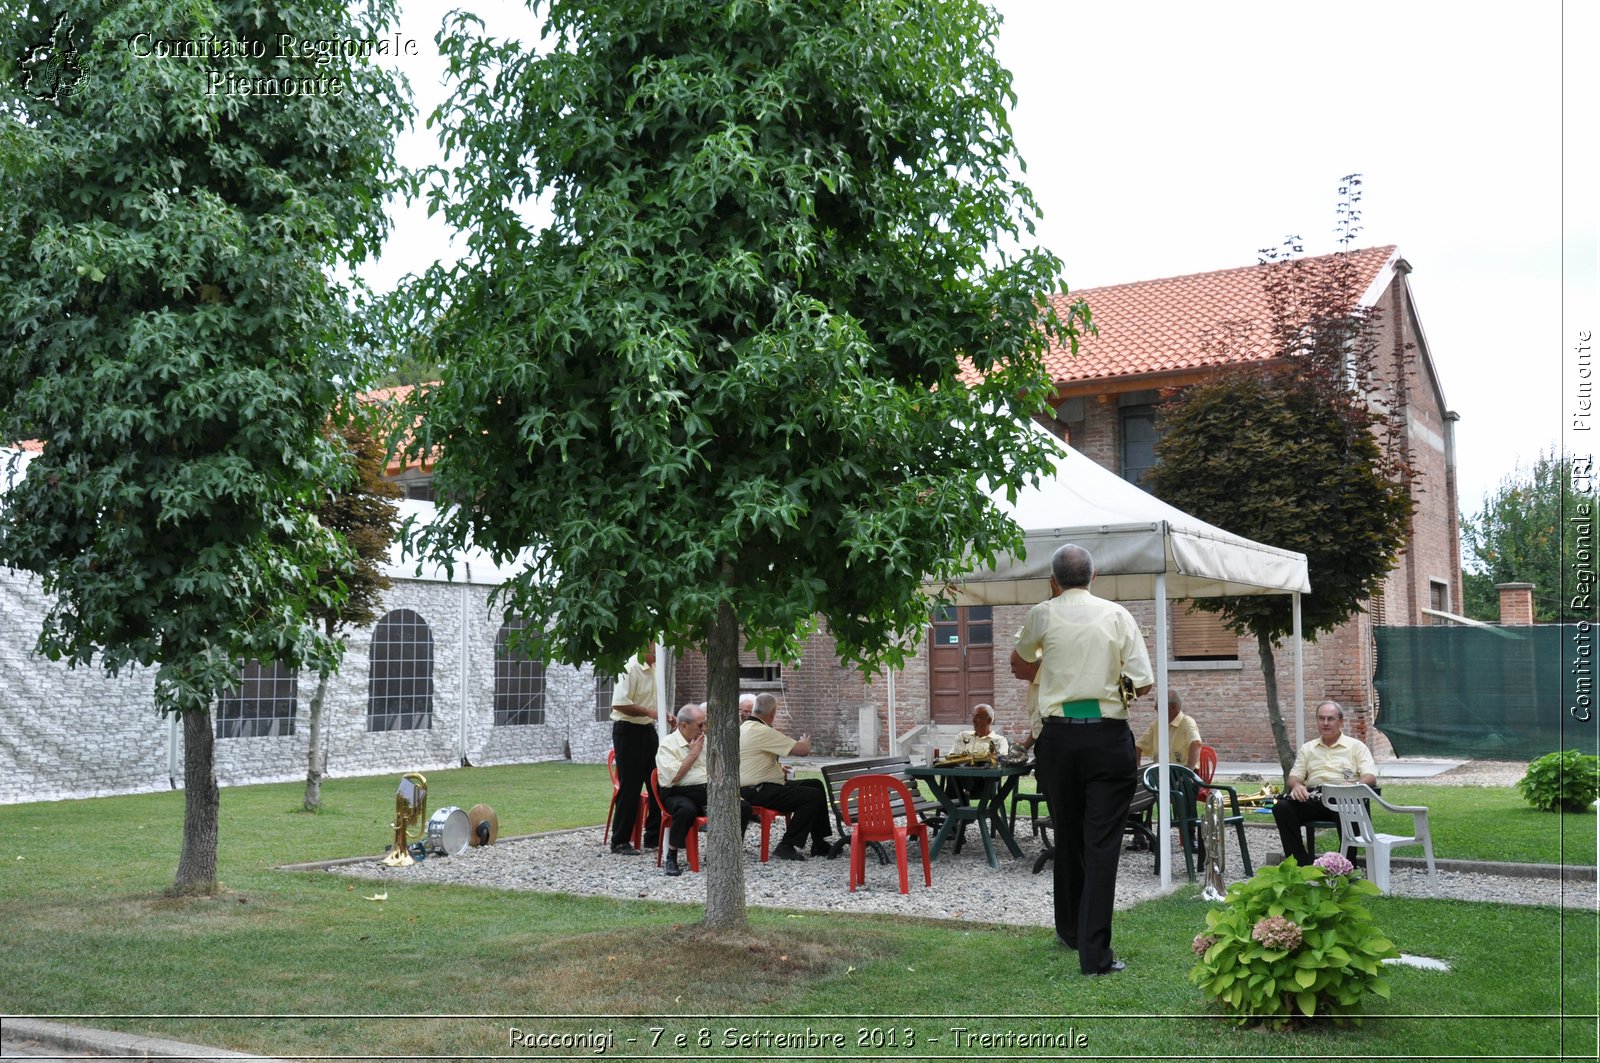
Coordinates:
67	733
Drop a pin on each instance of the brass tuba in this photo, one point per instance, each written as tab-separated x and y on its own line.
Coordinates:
410	814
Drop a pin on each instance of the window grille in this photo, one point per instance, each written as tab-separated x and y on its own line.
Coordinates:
518	681
400	691
262	705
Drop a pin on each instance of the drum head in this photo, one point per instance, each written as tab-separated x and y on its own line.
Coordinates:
448	831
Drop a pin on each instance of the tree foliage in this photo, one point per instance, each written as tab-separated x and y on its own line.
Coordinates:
1526	532
170	332
1302	453
719	393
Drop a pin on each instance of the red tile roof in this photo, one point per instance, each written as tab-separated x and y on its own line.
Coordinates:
1180	323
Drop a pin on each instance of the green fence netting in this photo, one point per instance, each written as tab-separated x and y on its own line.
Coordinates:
1487	693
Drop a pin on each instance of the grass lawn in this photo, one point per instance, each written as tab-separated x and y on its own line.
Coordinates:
301	963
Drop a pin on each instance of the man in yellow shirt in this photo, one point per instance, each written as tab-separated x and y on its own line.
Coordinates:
1334	757
764	782
982	739
681	778
633	736
1183	736
1084	647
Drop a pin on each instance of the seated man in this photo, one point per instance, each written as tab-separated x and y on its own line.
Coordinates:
1334	757
681	778
763	782
1183	736
982	741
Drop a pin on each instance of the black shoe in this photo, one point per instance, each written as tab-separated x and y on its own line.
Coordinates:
821	847
1113	967
624	850
1064	943
672	867
785	851
651	843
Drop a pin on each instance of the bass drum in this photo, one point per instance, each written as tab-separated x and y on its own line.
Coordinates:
448	831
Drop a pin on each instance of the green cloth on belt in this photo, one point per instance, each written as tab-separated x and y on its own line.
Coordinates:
1082	709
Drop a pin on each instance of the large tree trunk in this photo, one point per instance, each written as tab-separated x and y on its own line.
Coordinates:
317	757
1269	673
197	863
725	907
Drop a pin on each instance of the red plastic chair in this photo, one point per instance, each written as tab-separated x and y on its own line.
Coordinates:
644	805
1206	769
767	816
876	798
692	845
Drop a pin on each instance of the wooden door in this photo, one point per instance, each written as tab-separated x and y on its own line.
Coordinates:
960	662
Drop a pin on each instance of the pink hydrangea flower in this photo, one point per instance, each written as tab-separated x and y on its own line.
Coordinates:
1334	864
1276	932
1202	943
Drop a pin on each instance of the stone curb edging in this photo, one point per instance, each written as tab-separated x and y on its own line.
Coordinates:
47	1035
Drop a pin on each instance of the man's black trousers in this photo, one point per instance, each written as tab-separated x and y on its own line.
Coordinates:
1087	773
636	759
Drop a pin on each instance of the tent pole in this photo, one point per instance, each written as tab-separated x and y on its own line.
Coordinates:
1163	739
1299	676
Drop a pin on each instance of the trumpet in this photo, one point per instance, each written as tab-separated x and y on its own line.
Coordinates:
1266	794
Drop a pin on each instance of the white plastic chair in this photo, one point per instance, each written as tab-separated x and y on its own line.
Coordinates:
1349	803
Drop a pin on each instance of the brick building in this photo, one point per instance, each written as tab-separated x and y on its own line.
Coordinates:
1155	336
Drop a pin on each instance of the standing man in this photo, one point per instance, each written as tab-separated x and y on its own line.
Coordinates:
1085	646
763	782
1334	757
681	778
633	736
1183	736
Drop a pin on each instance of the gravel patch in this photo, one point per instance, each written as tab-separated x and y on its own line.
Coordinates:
964	887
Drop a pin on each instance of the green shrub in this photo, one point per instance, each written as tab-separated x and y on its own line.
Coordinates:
1562	782
1293	941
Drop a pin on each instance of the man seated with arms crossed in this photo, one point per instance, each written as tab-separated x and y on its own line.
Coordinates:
681	778
763	782
1183	736
1334	757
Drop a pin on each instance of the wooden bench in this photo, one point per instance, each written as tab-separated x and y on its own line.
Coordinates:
834	777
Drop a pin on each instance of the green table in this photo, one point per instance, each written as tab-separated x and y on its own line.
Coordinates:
986	809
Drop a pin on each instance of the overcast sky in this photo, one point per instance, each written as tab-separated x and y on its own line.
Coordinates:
1167	137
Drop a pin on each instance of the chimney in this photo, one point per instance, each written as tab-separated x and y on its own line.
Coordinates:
1516	604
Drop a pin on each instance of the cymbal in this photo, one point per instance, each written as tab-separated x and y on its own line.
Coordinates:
482	814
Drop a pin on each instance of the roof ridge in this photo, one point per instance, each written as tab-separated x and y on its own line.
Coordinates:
1387	249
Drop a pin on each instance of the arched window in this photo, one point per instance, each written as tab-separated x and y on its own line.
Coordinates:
518	682
400	691
262	705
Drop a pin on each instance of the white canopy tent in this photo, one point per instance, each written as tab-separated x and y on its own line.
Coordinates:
1144	550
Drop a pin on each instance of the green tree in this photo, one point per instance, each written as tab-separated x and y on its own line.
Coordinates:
1525	533
720	394
169	331
1303	453
359	512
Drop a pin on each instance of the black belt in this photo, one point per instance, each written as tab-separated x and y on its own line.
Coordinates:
1075	719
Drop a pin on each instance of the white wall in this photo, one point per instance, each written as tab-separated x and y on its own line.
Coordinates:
69	733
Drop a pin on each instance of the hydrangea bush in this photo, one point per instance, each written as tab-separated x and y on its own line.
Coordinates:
1293	941
1567	781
